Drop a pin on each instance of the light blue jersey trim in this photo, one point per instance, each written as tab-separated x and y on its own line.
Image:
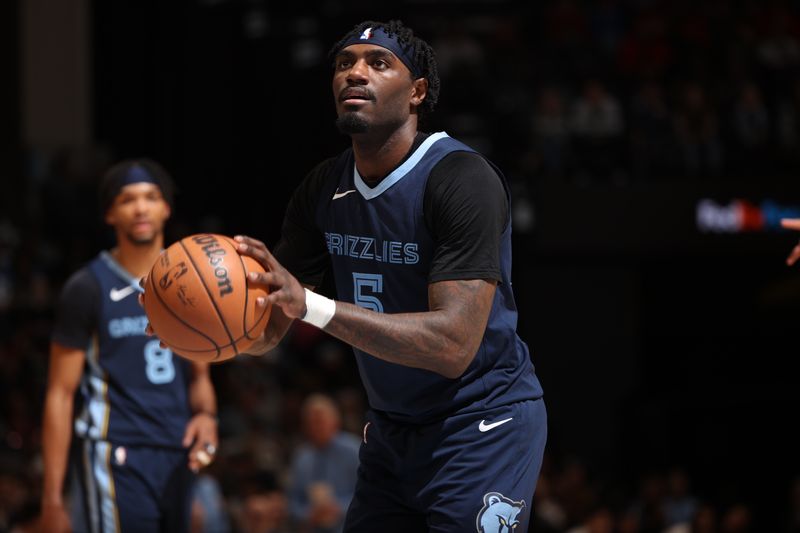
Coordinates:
93	420
105	481
397	174
91	488
117	269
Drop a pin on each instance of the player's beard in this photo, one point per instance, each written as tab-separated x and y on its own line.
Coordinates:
142	239
351	123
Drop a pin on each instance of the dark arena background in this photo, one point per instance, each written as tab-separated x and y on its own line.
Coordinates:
652	147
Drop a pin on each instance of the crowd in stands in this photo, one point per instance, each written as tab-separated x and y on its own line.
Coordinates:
620	91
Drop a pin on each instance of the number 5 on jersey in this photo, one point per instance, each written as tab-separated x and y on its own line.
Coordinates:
365	286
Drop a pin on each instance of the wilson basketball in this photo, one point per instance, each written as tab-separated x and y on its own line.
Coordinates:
197	299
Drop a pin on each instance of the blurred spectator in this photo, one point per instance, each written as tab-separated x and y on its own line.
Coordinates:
601	520
628	522
679	504
704	520
597	126
648	507
209	512
697	130
651	133
263	507
323	472
459	55
547	516
751	130
573	490
551	131
737	519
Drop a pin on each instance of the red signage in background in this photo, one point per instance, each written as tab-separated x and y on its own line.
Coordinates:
741	216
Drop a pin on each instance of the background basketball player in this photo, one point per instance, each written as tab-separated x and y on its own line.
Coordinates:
139	407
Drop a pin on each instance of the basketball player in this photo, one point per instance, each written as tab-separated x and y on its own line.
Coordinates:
416	228
792	223
145	419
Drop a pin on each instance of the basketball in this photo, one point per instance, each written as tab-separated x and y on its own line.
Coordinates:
197	299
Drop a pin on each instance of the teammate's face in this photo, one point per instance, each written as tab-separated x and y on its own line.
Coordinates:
139	213
373	88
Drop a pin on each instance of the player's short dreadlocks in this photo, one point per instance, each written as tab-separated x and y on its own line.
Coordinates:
423	55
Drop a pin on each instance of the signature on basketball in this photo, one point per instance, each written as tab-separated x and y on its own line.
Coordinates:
172	274
184	297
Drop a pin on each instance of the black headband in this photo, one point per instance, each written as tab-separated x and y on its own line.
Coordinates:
378	36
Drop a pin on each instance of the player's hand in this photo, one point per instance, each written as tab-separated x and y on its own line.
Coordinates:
53	519
792	223
201	435
284	290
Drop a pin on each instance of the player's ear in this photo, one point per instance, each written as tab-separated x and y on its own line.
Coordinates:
419	90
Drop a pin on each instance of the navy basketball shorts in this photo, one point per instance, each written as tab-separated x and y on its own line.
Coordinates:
130	489
469	472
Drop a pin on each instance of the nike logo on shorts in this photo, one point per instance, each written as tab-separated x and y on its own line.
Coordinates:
118	294
338	194
483	427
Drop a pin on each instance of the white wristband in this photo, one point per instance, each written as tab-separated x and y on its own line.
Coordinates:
319	310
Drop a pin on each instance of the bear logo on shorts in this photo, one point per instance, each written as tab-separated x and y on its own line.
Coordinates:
499	514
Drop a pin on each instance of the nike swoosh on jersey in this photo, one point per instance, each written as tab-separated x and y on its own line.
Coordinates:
483	427
338	194
118	294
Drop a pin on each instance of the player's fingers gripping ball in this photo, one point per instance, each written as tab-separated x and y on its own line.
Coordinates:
198	302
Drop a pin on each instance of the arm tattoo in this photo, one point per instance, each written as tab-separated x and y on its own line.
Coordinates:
443	339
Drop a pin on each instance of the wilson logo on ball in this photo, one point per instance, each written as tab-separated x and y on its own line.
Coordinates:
216	257
198	302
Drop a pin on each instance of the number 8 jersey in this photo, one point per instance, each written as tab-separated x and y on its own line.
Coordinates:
132	391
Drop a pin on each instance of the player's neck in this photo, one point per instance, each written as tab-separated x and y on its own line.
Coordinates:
137	259
377	155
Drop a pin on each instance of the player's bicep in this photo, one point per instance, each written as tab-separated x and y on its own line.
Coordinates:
466	305
66	368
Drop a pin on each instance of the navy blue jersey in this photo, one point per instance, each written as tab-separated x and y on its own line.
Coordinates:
132	392
381	252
